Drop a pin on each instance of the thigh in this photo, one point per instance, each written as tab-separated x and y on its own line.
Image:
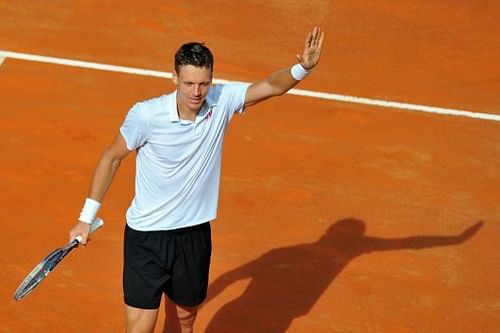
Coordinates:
188	283
144	271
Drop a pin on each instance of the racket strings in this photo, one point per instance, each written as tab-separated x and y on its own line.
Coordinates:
40	272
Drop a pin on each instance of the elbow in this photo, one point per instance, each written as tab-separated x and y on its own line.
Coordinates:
279	91
115	163
111	159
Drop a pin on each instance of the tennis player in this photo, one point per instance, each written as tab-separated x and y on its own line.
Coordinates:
178	138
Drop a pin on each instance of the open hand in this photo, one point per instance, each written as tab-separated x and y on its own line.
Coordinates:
312	49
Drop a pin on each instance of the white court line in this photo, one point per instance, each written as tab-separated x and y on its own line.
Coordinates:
299	92
84	64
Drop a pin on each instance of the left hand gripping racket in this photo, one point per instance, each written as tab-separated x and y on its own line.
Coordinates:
47	265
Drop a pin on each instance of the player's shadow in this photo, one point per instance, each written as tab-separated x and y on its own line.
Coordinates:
285	283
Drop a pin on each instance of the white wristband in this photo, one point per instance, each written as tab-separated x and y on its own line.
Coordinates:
298	72
89	210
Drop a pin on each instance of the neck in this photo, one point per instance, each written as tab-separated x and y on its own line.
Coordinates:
186	113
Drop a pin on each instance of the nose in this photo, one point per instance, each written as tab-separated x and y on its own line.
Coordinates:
197	90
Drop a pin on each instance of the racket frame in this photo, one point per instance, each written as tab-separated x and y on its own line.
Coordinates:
49	263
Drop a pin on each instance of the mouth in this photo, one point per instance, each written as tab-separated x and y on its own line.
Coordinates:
196	100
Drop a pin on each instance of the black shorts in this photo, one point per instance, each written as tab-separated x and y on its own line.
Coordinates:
175	262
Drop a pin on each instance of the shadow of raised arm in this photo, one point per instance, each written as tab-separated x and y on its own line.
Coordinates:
419	242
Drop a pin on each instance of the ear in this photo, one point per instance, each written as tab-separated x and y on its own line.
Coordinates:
175	78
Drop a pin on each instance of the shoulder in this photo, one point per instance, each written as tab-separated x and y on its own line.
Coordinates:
152	103
151	106
221	93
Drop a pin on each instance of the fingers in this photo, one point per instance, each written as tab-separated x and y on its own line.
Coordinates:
84	240
72	236
309	40
80	231
321	38
316	32
317	37
314	40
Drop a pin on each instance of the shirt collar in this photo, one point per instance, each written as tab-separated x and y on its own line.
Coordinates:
173	115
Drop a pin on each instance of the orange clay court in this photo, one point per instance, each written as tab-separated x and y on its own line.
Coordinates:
335	216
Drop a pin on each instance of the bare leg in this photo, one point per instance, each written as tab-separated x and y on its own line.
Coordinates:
140	320
179	319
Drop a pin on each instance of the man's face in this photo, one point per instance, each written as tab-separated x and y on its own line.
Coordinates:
192	86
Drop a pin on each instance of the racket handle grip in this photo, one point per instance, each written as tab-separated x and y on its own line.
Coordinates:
96	224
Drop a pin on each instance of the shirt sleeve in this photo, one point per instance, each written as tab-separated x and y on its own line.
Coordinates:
234	97
135	127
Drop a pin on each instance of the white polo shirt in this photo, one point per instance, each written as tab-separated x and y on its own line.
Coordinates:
178	162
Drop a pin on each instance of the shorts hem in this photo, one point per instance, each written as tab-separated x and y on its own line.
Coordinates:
141	306
187	304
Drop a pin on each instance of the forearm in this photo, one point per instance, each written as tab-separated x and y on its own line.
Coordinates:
101	181
275	84
103	176
281	81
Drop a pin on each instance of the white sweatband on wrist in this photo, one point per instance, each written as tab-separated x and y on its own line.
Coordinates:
89	211
298	72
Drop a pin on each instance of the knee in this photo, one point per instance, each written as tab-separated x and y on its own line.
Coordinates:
187	315
139	320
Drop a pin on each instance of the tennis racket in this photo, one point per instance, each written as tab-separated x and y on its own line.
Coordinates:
47	265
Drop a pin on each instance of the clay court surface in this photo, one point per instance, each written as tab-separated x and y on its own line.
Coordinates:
333	216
